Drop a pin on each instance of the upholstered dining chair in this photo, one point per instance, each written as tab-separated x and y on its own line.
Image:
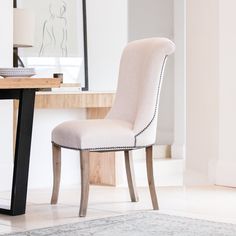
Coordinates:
130	124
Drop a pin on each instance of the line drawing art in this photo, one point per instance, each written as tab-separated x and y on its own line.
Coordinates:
54	34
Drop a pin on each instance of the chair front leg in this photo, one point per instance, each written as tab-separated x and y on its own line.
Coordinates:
149	163
56	158
84	169
130	176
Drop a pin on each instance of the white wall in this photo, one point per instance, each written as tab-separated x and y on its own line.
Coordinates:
6	35
150	18
202	90
211	93
107	36
225	171
6	129
179	134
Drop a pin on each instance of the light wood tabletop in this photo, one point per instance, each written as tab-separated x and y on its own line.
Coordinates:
28	83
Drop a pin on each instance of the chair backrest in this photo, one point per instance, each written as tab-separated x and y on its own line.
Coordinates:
140	78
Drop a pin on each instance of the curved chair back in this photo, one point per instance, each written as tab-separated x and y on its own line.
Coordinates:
139	85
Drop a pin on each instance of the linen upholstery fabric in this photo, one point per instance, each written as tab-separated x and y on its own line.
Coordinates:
88	134
132	121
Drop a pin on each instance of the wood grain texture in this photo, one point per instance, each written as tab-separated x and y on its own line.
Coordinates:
37	83
102	165
97	113
151	184
56	159
73	100
84	170
131	176
102	168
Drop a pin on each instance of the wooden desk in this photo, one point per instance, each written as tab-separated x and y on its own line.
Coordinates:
22	89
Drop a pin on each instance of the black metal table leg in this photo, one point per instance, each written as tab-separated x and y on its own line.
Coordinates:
22	152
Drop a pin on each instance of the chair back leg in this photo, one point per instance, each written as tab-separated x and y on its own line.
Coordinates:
84	169
131	176
149	163
56	159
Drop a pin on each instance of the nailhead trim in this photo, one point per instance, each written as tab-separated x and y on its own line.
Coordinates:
103	148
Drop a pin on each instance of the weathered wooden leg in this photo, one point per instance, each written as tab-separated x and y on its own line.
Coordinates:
84	168
130	176
149	163
56	156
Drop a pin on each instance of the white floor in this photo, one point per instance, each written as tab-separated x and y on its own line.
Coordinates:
211	202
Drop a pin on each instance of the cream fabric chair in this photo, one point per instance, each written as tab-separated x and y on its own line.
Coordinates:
130	124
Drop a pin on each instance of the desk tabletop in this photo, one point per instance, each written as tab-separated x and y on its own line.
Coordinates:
28	83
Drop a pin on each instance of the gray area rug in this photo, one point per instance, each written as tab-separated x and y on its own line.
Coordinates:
142	223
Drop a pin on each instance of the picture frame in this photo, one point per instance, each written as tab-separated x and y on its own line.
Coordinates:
63	49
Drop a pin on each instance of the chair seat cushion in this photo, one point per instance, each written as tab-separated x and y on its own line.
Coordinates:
99	134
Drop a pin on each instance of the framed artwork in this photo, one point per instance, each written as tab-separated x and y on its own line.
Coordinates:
60	44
